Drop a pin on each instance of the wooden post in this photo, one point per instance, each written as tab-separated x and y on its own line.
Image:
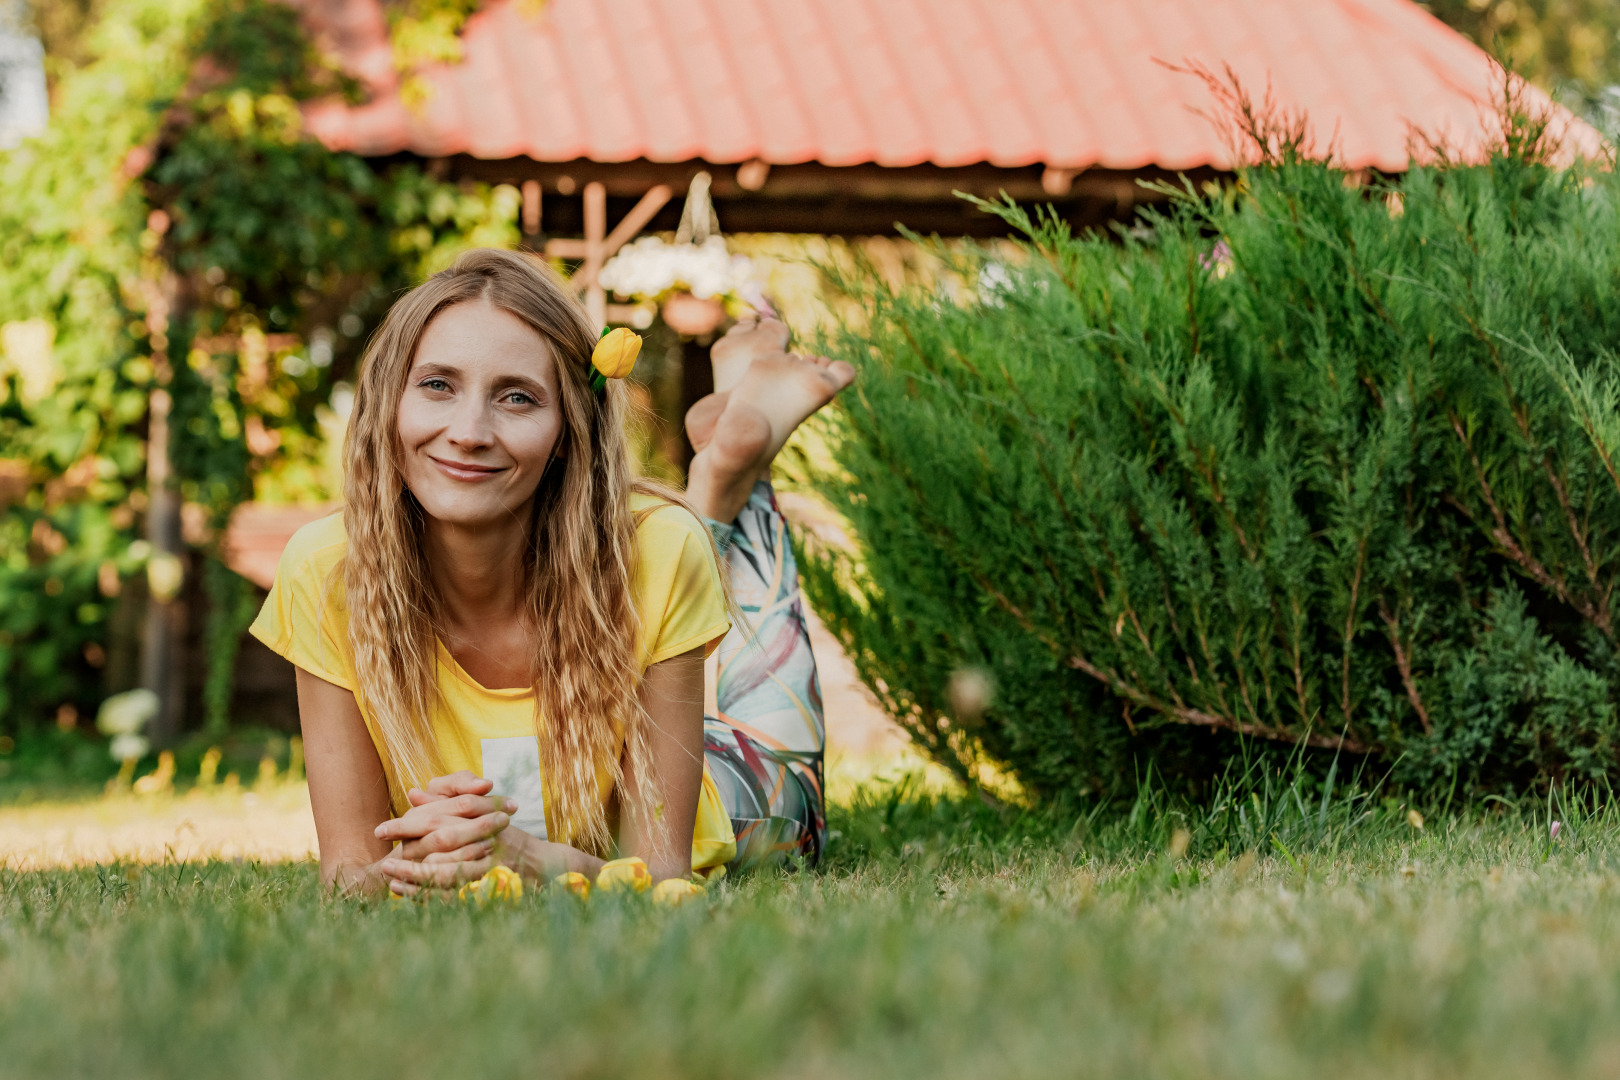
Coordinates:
162	662
531	207
595	234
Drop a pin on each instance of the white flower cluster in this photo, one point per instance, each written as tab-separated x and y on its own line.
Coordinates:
650	268
122	717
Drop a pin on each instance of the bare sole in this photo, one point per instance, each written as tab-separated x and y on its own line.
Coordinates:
745	342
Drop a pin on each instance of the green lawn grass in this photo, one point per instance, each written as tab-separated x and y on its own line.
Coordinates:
943	939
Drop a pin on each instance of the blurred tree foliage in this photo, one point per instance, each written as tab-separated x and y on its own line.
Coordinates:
425	32
63	28
1568	46
175	231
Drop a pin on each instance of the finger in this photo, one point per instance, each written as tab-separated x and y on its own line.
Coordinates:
401	829
456	833
464	782
417	892
460	833
408	827
465	853
445	787
439	875
421	820
416	822
450	838
471	806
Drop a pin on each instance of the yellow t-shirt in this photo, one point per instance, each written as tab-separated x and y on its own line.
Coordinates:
492	732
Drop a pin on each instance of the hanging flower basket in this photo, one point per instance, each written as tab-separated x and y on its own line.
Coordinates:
693	316
694	279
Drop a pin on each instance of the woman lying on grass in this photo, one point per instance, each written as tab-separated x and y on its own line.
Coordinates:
500	641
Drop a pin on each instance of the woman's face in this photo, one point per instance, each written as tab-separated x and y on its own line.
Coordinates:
479	417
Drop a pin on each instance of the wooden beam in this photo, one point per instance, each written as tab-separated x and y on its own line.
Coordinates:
591	272
565	249
813	181
636	219
859	200
625	231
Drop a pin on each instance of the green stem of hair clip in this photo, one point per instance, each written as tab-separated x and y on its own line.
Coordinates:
599	380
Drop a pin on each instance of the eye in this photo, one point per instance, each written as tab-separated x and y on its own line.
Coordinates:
519	397
436	384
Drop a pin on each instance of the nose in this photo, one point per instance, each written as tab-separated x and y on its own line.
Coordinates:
470	425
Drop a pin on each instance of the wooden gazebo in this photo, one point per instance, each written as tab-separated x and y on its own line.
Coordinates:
850	116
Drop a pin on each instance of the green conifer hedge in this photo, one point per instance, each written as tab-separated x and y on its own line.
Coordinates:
1303	462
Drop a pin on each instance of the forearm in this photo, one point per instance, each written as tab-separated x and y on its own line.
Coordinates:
542	860
353	878
348	792
657	825
545	861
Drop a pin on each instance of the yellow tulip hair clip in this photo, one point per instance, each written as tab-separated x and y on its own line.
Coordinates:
614	357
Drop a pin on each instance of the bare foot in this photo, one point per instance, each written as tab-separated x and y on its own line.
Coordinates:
702	417
739	433
787	388
727	464
749	339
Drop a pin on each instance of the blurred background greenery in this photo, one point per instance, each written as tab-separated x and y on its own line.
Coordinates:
1571	47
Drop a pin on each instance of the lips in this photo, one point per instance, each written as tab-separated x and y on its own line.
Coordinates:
466	471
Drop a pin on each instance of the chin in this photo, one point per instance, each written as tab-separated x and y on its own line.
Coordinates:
464	512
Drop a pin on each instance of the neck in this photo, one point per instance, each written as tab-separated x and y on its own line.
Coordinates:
477	571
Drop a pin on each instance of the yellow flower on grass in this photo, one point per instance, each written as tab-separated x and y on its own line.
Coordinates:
501	883
615	356
624	875
673	892
574	884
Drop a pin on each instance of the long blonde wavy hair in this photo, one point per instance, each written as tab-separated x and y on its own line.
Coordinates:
577	571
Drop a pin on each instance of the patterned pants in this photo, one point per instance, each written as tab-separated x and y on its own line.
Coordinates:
765	749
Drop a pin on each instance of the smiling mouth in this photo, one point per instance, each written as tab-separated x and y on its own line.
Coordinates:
460	470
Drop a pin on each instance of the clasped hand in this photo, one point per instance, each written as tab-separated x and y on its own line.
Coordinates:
452	834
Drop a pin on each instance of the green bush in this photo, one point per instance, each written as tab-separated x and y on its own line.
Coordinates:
1298	463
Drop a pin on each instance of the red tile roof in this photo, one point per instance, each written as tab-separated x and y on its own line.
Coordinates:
1065	83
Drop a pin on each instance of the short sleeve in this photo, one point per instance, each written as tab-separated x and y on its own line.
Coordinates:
683	603
305	618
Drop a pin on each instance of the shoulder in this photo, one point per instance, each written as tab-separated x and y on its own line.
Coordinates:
305	616
319	536
660	522
678	586
314	551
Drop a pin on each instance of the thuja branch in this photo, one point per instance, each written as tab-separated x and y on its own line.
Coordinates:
1404	663
1199	718
1180	714
1507	545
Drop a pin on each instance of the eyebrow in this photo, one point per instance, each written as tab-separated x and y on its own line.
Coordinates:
422	371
